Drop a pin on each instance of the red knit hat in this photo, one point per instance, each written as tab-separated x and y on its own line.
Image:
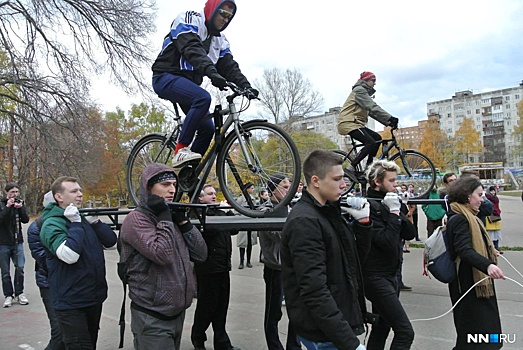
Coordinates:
367	76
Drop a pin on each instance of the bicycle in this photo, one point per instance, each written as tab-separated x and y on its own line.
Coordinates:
415	167
250	152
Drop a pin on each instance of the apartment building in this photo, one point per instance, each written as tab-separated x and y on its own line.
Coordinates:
325	124
409	137
494	114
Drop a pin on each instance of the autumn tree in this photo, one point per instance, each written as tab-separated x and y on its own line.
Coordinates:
434	144
467	140
286	93
517	133
307	141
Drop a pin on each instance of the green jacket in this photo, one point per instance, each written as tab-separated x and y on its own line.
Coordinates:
433	211
55	225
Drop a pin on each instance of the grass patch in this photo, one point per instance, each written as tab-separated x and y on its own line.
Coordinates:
514	249
510	193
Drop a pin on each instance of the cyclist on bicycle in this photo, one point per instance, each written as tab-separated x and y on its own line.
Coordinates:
354	116
193	48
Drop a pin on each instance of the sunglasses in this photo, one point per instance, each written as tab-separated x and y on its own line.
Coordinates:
225	14
373	80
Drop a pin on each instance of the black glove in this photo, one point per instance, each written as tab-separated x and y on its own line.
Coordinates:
216	79
393	122
252	93
179	216
158	207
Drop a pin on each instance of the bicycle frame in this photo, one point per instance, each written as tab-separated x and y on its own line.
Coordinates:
387	145
203	169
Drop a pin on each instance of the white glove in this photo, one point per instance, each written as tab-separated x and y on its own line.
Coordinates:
361	347
359	207
72	213
92	219
392	201
404	197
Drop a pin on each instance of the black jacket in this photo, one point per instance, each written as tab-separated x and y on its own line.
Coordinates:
387	233
321	272
472	315
219	247
9	224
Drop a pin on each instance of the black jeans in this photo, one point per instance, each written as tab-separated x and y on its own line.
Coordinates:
383	293
369	138
56	342
80	327
273	313
211	308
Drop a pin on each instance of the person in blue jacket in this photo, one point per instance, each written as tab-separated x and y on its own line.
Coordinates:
195	47
38	252
76	264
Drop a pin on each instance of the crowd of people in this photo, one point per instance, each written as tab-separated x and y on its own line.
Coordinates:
328	259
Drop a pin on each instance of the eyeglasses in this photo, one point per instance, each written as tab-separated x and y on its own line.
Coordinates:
225	14
373	80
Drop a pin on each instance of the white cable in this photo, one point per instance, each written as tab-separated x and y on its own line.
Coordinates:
511	265
452	308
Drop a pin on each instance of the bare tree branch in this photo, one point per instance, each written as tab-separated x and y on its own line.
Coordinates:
285	94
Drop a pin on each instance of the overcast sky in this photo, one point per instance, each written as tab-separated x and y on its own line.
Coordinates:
420	51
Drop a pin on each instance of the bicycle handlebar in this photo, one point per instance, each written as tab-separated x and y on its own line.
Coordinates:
237	91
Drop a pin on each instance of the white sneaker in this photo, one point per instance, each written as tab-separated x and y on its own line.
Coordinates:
183	156
22	299
8	301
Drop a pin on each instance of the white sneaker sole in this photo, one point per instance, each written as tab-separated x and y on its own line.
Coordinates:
185	160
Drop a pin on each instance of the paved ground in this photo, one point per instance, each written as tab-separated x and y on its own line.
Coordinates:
26	327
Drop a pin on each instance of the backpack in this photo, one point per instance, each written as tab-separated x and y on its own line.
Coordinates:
436	256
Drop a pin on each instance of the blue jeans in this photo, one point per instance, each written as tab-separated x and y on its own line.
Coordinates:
195	103
317	346
16	254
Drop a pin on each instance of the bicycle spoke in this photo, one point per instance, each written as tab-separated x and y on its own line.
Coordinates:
416	169
270	152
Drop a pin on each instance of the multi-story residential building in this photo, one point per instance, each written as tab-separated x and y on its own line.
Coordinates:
494	114
325	124
410	137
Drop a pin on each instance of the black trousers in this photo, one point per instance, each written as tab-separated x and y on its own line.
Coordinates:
383	293
211	308
56	342
368	137
273	313
80	327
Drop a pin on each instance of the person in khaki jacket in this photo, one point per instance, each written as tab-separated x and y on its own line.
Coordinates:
354	116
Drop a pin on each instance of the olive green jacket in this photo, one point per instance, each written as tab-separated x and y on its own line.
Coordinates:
358	107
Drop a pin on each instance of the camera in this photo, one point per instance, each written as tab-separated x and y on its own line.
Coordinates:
18	200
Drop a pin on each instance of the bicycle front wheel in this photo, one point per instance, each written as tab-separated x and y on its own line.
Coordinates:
152	148
416	169
271	152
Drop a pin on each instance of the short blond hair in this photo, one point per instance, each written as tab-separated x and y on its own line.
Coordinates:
378	169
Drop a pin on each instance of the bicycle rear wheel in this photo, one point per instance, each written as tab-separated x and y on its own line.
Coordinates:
416	169
272	152
360	173
152	148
